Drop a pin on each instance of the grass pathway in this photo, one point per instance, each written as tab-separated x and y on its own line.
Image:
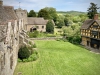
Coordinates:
61	58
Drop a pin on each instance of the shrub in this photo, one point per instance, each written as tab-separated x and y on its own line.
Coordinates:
51	35
33	34
32	57
23	53
33	46
30	42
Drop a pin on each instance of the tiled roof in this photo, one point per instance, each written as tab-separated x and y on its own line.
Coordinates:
87	23
36	21
7	14
10	11
3	16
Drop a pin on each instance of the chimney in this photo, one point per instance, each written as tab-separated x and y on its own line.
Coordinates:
1	2
96	17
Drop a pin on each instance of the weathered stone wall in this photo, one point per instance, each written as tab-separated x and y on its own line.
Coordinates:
9	47
41	28
11	29
22	14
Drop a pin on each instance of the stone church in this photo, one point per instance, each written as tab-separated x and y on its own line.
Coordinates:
12	36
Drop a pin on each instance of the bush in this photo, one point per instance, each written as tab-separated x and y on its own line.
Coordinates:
33	34
30	42
51	35
33	46
32	57
23	53
27	54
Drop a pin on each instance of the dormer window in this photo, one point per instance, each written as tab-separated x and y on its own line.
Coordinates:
95	26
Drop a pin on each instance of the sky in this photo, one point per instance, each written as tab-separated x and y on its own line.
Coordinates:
59	5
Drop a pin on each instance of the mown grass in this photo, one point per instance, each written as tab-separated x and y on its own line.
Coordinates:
61	58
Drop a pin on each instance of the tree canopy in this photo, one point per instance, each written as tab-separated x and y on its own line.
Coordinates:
92	10
31	13
43	13
52	12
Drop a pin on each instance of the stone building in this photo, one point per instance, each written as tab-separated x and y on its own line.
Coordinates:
31	23
21	14
90	33
12	35
38	24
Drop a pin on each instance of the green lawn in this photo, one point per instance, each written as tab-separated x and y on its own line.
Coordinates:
61	58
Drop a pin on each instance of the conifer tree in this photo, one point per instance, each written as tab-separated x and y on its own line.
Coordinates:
92	10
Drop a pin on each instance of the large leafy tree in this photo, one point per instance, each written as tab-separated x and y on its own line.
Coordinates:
60	21
43	13
92	10
50	27
52	12
31	13
72	33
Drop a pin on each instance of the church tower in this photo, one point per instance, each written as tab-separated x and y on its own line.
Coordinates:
22	14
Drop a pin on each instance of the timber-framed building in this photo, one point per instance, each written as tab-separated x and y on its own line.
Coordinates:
90	33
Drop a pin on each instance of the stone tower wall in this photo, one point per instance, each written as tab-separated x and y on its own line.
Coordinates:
22	14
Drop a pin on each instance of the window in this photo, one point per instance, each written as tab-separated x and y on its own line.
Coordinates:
94	33
95	26
42	27
37	27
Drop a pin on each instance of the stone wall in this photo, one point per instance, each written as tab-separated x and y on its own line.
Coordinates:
22	14
9	46
40	28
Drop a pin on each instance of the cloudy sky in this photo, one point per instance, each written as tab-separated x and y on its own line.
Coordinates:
60	5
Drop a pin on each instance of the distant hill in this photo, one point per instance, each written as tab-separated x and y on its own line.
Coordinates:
70	12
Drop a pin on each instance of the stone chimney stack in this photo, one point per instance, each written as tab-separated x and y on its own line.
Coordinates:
96	17
1	2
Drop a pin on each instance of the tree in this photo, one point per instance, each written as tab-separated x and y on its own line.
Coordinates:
92	10
66	21
83	17
52	12
50	27
72	33
31	13
43	13
60	23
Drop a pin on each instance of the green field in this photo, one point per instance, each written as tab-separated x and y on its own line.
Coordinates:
61	58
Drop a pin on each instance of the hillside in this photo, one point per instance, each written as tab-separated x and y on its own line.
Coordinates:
71	12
